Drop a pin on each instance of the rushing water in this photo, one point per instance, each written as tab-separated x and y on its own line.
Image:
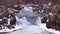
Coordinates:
27	28
29	23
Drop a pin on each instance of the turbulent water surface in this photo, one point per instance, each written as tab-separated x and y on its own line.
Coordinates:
29	23
29	30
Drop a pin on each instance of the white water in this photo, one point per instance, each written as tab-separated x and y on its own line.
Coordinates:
24	25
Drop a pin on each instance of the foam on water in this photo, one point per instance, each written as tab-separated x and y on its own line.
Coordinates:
22	20
43	26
